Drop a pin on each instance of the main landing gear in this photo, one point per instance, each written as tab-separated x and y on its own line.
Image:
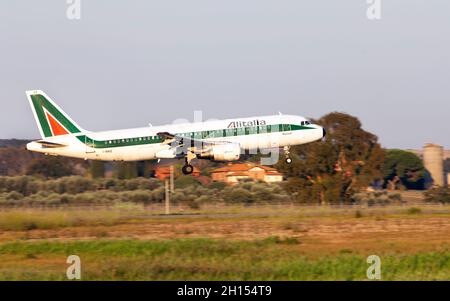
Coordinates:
287	159
187	169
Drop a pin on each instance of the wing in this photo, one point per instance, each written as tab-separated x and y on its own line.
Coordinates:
192	144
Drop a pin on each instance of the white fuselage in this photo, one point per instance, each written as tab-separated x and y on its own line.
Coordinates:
144	144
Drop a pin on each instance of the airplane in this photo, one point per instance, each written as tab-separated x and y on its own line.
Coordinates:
219	140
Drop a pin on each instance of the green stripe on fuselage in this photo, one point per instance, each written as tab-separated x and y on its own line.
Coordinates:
110	143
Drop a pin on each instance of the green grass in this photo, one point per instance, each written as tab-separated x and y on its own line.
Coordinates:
208	259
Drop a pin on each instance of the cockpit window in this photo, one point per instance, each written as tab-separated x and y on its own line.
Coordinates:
307	122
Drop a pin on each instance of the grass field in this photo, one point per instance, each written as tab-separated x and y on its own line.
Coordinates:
226	243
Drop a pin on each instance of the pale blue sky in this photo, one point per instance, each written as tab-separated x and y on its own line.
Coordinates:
128	63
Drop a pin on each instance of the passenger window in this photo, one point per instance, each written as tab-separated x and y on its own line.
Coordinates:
229	132
262	129
275	128
253	130
286	127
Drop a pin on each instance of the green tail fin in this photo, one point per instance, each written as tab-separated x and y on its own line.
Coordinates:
51	119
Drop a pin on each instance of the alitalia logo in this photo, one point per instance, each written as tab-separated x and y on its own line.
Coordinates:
56	127
238	124
51	120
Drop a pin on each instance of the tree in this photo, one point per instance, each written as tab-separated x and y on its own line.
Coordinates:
405	168
97	169
126	170
50	167
14	161
330	171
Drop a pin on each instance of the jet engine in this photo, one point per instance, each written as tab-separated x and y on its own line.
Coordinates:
169	153
222	152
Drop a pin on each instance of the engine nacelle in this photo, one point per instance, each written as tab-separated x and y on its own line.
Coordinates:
166	154
222	152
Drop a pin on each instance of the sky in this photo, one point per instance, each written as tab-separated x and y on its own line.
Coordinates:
126	64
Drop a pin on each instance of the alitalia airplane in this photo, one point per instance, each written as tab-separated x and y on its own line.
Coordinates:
221	140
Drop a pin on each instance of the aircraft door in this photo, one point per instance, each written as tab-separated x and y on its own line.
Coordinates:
90	145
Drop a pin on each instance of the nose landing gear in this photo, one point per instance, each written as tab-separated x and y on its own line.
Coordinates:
287	159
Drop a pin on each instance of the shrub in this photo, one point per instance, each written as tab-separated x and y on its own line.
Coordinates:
186	181
193	204
414	210
204	199
28	190
238	195
157	195
376	198
75	184
217	185
14	195
438	195
140	196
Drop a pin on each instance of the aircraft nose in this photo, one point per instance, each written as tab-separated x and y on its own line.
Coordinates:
324	132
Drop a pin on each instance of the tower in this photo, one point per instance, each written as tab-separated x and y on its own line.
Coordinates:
433	159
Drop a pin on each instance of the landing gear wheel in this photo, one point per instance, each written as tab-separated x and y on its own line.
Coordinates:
288	159
187	169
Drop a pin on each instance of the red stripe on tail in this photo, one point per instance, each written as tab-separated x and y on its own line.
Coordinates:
57	128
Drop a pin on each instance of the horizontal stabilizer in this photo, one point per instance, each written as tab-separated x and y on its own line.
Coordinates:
50	144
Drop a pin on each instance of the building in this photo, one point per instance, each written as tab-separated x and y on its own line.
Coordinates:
433	160
419	153
434	157
232	173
